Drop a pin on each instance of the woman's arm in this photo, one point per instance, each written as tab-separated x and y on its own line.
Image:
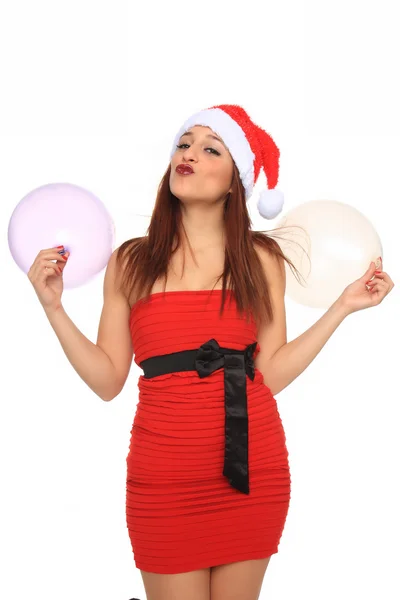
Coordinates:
103	366
293	358
91	363
280	361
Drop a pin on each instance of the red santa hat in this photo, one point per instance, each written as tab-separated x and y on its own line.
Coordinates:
251	148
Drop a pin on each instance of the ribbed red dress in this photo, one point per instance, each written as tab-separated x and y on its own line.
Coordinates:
181	512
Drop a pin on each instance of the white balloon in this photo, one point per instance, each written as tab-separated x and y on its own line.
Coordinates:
340	243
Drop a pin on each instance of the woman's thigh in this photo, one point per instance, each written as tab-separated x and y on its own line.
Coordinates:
239	580
194	585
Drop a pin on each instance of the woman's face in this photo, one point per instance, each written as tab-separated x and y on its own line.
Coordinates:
205	152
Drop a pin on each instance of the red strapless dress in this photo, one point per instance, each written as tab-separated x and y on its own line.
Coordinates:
182	514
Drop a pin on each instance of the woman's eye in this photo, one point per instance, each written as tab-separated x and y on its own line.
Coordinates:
213	150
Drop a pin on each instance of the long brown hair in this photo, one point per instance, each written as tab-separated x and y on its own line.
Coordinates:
143	260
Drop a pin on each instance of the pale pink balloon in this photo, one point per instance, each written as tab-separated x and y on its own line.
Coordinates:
63	213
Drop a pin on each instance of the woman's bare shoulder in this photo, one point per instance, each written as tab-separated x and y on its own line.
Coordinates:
122	258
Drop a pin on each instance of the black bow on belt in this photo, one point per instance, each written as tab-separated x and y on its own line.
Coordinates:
236	363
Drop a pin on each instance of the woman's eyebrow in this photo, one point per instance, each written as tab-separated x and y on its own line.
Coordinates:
208	135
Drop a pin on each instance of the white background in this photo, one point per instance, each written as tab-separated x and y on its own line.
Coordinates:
93	93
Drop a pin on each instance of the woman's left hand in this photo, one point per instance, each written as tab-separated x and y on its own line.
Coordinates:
366	292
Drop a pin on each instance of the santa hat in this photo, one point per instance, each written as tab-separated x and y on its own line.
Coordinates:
251	148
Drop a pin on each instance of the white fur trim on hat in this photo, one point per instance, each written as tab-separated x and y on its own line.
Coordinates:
234	139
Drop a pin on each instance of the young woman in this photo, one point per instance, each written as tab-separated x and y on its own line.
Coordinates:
199	302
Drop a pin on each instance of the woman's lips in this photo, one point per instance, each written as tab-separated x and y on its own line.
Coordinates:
184	170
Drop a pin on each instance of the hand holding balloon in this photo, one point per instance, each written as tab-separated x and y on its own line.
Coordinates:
46	277
365	291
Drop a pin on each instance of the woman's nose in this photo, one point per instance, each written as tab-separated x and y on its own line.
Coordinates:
189	153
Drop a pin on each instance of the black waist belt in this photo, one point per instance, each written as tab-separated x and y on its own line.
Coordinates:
236	364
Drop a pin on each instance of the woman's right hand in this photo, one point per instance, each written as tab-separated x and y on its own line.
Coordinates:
46	277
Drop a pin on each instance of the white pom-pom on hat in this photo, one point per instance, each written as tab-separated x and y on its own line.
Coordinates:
270	203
